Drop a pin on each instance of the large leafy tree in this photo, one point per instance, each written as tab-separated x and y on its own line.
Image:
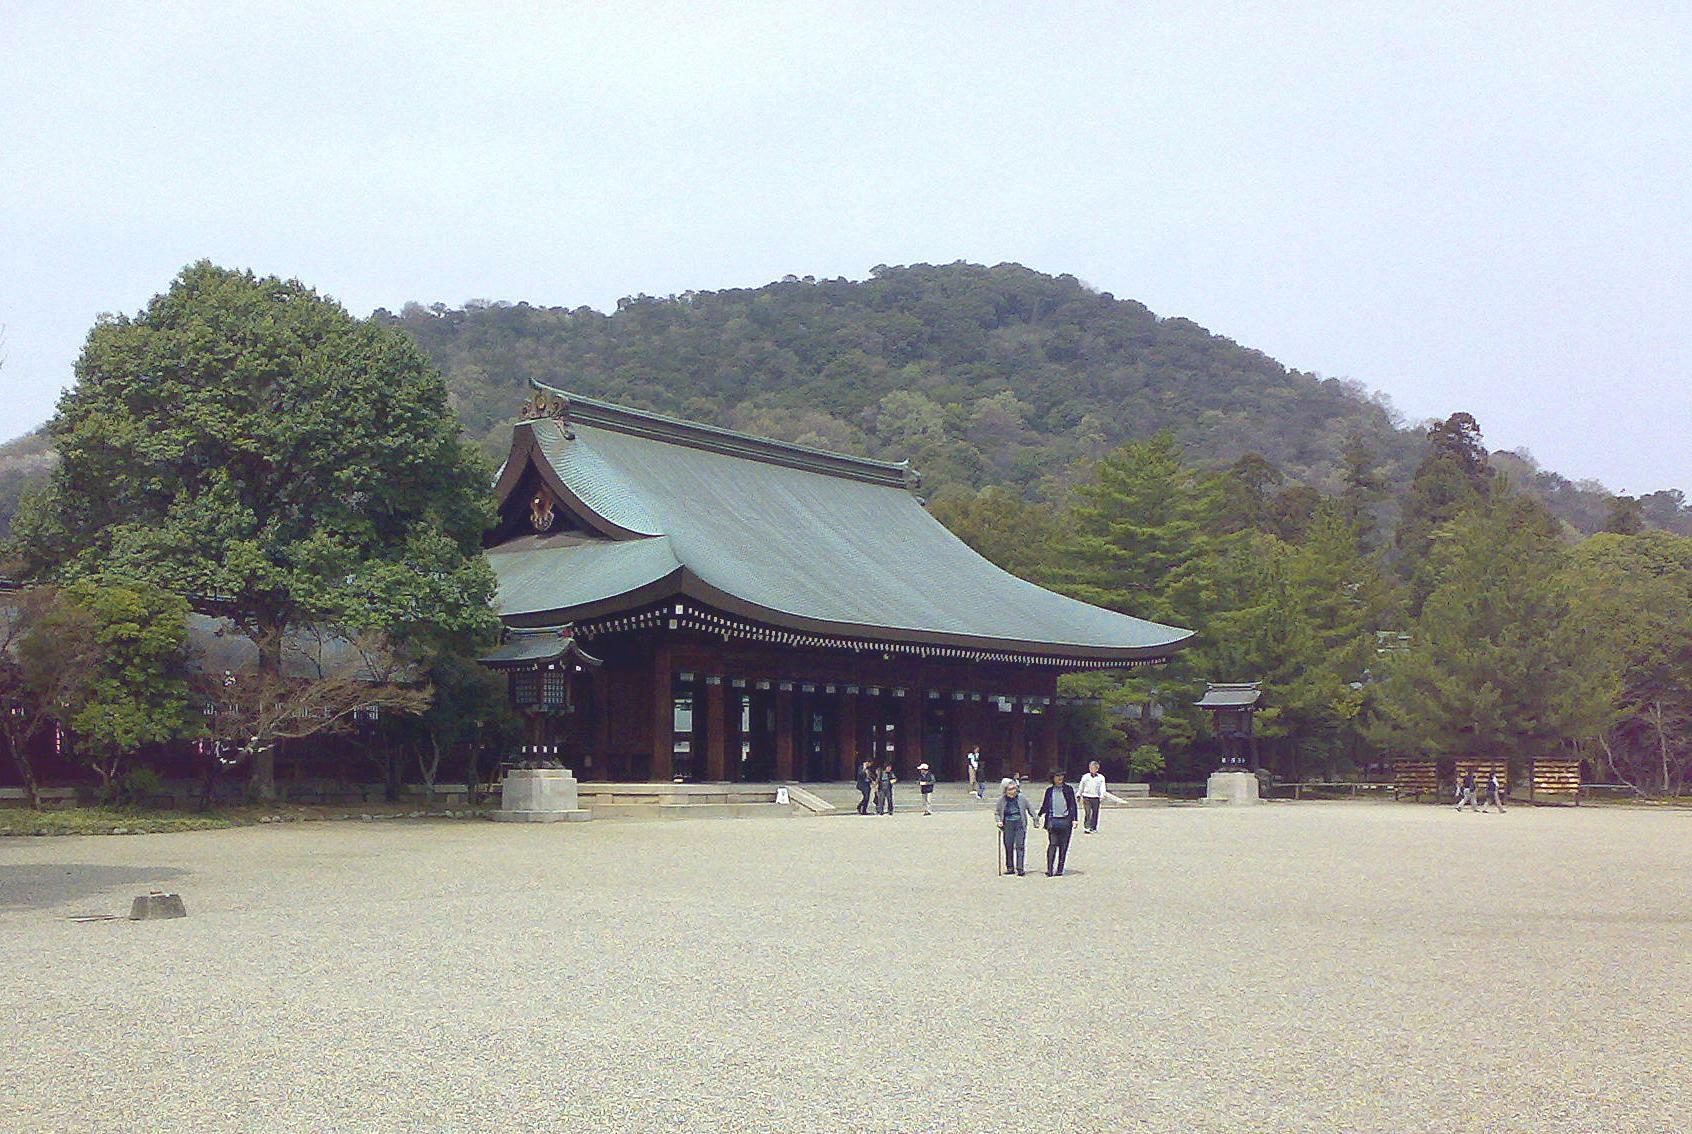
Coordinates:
247	443
112	656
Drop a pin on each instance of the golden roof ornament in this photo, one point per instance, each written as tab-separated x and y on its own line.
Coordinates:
545	405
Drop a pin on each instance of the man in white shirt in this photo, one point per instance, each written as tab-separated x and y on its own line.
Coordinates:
975	784
1092	797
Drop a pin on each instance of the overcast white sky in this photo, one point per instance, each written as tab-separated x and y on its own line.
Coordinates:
1466	206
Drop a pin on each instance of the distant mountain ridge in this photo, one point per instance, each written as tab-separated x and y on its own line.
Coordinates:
979	375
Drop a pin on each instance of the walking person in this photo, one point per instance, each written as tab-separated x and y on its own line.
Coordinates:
1013	813
925	778
1057	810
1092	797
884	788
1466	792
975	784
866	783
1494	793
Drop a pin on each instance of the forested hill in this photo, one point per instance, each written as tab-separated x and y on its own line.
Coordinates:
978	375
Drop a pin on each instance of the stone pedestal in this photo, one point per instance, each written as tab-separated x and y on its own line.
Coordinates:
539	795
1231	787
148	907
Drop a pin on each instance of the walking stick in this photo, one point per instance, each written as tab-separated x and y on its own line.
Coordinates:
998	852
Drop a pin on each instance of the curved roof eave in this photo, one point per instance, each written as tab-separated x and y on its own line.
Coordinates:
683	581
695	587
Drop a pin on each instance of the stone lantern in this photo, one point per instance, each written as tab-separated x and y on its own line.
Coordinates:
1232	707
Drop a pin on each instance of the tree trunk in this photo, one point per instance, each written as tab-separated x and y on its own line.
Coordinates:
208	775
261	780
390	774
107	771
430	768
1662	745
19	746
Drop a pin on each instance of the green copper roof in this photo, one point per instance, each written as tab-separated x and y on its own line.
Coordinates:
1239	695
544	574
528	648
780	534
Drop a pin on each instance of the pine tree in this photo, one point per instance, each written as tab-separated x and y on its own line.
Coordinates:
1497	666
1139	534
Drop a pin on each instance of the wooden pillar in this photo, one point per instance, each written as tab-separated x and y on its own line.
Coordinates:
784	734
846	735
868	716
1019	743
663	716
978	727
600	744
957	738
910	732
716	740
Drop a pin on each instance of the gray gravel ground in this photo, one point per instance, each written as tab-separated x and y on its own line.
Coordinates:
1317	966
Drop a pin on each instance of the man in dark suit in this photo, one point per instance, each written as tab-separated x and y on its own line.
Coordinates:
1057	812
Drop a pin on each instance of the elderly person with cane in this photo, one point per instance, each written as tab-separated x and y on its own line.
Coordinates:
1013	813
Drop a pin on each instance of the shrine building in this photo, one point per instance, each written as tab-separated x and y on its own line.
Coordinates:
683	601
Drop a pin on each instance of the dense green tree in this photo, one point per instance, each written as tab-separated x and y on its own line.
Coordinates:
28	704
1017	534
1453	477
1634	598
1140	534
470	705
1302	619
114	655
245	442
1498	665
1627	517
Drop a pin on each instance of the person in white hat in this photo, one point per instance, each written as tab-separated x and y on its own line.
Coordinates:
925	779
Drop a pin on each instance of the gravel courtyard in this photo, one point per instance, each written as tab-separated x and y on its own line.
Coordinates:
1317	966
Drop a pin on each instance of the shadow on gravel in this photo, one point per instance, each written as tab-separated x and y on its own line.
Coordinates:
38	886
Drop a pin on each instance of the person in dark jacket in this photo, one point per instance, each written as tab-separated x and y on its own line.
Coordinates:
1013	813
926	779
1466	792
1057	811
1495	793
866	782
884	782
